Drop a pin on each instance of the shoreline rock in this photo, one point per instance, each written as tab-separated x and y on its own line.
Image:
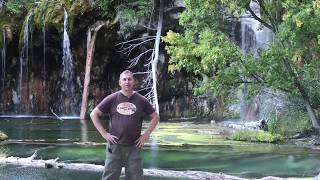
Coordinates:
3	136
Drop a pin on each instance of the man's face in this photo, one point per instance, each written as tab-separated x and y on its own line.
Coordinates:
126	82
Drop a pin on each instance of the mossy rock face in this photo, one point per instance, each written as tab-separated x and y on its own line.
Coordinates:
3	136
7	30
51	13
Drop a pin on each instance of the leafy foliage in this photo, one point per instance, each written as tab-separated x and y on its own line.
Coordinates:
289	124
289	64
132	10
256	136
105	7
128	10
17	7
205	49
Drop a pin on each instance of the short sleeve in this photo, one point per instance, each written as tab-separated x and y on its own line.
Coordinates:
148	108
105	105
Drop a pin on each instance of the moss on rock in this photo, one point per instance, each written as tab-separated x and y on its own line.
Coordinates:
50	13
3	136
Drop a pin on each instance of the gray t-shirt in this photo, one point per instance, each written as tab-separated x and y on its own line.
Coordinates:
126	114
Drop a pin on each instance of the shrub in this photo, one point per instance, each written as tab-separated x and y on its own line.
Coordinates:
290	123
256	136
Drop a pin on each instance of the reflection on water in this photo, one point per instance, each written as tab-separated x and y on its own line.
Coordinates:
281	161
84	130
52	138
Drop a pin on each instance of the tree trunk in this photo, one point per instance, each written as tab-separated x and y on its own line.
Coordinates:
302	90
90	52
304	95
156	57
312	115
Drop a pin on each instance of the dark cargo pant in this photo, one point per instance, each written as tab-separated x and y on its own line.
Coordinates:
119	156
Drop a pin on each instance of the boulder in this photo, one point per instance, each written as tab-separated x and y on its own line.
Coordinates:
3	136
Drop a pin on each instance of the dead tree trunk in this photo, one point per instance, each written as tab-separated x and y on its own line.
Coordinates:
91	39
156	57
150	81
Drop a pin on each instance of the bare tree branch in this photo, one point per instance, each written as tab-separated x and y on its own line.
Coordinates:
137	39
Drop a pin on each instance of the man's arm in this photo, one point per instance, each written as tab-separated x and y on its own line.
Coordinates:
145	136
96	119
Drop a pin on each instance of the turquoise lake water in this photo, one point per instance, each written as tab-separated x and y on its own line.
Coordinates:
78	141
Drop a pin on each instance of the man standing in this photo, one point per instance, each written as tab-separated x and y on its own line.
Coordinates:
127	109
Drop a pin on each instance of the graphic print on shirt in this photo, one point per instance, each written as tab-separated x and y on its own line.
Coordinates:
126	108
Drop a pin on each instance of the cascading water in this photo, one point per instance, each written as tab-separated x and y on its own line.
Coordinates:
24	101
44	73
3	59
1	5
254	38
3	68
67	104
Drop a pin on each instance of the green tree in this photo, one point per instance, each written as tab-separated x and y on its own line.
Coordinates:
16	7
290	63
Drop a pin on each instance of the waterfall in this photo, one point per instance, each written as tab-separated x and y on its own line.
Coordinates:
254	38
67	101
3	59
1	5
23	87
67	58
44	74
3	70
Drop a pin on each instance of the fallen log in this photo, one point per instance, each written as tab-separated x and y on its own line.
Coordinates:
53	163
187	175
50	163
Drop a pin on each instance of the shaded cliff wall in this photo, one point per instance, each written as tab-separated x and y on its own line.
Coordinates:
45	65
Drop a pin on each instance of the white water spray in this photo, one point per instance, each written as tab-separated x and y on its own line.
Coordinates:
23	91
254	38
3	59
67	101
